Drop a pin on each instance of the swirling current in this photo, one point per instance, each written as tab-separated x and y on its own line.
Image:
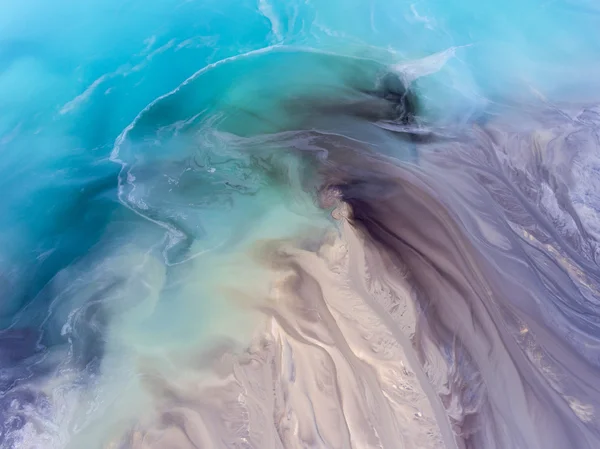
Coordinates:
311	224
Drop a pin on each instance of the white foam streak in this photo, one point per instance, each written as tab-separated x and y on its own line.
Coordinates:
412	70
266	9
83	97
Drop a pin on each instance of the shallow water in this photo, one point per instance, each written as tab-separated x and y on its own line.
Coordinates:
302	224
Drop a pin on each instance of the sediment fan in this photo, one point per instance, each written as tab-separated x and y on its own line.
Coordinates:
433	313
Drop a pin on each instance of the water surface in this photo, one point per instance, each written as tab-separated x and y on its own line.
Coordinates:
300	224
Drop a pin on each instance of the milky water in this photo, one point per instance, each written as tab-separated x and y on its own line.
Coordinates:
221	227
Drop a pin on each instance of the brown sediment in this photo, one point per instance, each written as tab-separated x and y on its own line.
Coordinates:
445	310
323	371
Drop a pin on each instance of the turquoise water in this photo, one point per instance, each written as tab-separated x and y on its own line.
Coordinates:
75	76
128	196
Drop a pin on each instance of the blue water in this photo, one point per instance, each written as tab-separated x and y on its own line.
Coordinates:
114	150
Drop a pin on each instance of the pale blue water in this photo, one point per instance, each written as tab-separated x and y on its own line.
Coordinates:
100	169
